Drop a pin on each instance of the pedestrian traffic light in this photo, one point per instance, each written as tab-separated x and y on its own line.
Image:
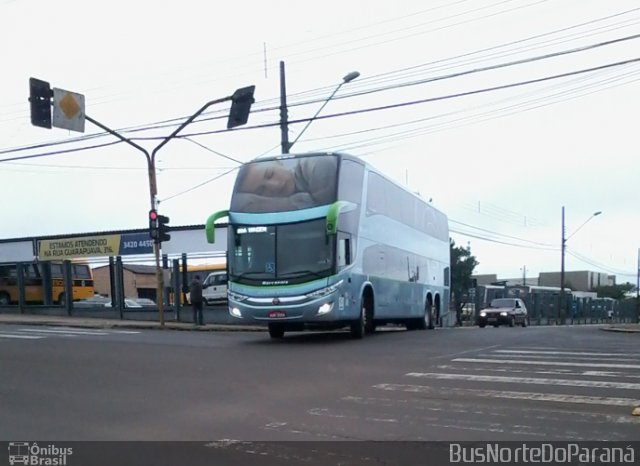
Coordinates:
40	95
241	102
163	229
153	224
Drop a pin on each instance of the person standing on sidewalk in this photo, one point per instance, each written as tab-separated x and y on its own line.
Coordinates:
195	291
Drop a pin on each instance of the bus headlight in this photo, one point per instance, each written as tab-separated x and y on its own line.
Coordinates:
325	291
503	314
325	308
235	312
483	314
236	297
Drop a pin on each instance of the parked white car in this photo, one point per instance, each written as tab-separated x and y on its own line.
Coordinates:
214	287
128	303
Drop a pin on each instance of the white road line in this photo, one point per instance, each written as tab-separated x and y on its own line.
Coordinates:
549	412
23	337
545	357
465	352
110	331
548	363
563	353
527	380
65	332
580	399
543	372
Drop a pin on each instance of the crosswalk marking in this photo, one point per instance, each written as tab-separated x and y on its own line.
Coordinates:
547	363
562	353
537	357
110	331
532	396
23	337
65	332
527	380
551	371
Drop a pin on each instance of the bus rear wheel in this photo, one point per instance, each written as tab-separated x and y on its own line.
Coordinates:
276	331
61	299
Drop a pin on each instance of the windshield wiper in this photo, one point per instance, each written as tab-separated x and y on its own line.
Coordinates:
246	274
302	273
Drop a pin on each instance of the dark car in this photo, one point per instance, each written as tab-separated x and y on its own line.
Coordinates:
504	311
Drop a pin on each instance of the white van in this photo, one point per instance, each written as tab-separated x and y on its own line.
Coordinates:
214	287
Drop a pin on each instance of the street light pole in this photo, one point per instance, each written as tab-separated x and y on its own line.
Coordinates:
286	145
563	247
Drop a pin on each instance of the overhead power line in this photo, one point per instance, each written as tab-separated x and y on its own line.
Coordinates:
370	109
170	123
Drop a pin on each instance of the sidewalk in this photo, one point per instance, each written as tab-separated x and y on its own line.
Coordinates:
626	328
91	322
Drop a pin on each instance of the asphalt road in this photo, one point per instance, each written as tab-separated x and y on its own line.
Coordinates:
535	383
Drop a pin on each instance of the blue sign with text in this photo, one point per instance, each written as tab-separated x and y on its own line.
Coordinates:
135	243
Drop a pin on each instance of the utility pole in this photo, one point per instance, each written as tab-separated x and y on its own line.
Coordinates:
284	113
561	313
524	275
562	250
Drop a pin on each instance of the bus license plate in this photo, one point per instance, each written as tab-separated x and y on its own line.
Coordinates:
276	314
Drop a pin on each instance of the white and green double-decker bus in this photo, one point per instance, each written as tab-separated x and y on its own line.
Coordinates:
324	241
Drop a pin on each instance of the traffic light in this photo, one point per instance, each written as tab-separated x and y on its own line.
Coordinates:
153	224
40	95
163	229
158	227
241	102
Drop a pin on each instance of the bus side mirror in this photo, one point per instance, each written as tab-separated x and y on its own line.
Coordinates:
210	228
334	211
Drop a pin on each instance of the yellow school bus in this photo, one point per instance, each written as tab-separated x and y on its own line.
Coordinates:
33	277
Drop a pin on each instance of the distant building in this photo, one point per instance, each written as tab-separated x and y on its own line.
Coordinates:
487	279
520	281
139	281
583	280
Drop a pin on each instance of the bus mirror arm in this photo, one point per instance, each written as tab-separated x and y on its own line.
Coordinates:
210	228
334	212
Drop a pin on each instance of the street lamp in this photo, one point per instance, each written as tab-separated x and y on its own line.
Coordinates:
348	78
561	315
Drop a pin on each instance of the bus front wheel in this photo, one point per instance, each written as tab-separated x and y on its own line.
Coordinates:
4	299
364	324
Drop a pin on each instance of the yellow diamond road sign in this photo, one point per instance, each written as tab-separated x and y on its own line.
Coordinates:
68	110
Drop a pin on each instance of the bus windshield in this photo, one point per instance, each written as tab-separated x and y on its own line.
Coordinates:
285	184
290	253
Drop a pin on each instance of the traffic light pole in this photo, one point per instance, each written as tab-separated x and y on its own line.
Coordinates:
153	191
242	99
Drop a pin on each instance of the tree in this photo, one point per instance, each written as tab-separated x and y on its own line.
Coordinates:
462	266
614	291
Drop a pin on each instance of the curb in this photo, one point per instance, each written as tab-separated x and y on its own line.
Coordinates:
621	329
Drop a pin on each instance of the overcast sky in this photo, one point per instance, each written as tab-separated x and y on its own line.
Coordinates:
510	110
